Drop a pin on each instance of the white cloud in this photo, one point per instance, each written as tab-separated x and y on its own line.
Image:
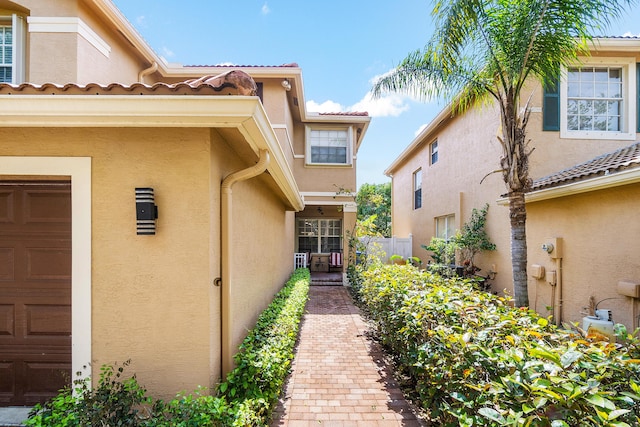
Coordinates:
265	9
167	52
630	34
389	105
420	129
325	107
141	22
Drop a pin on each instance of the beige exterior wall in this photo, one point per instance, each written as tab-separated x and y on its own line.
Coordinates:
467	151
82	61
153	298
599	230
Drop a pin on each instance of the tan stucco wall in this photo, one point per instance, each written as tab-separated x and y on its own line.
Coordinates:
81	62
599	230
262	253
153	298
467	151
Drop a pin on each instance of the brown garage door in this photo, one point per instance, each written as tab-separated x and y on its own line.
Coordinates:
35	290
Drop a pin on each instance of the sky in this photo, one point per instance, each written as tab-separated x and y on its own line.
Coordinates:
342	46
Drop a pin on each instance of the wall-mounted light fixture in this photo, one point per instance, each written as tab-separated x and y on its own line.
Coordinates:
146	211
286	85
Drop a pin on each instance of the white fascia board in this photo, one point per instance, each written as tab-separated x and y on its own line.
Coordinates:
71	24
244	113
629	176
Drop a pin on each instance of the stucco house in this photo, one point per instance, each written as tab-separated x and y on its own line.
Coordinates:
582	213
149	211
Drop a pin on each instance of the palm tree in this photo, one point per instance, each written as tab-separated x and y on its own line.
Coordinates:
484	50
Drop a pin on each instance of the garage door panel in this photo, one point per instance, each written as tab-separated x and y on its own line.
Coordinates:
7	320
48	264
48	320
7	261
7	381
46	376
7	206
48	206
35	291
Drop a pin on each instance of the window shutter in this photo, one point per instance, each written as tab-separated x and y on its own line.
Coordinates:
551	105
638	97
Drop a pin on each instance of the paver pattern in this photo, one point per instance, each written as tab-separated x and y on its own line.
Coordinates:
339	377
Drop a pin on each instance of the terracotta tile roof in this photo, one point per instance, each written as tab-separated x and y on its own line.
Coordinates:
606	164
346	113
111	89
290	65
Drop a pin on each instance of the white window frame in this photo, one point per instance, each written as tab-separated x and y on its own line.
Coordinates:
349	144
628	108
322	232
19	38
449	226
416	186
433	151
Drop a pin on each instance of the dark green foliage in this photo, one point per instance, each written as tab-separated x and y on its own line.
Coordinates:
374	200
116	401
476	361
246	398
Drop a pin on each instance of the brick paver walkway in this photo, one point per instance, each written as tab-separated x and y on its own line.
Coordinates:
338	375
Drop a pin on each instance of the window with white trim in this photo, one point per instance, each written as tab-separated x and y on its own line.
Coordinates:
417	189
329	145
598	100
445	226
433	151
12	49
319	235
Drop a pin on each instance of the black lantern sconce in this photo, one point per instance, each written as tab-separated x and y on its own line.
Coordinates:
146	211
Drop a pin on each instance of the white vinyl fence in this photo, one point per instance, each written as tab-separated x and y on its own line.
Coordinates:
389	245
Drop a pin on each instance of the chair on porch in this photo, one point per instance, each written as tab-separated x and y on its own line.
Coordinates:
335	260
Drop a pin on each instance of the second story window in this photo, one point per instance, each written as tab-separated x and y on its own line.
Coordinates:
417	189
12	43
594	99
433	151
6	54
329	146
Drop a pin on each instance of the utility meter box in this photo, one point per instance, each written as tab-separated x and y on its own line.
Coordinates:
630	289
557	251
537	271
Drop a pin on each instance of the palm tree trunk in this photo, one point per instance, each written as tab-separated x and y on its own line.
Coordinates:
518	217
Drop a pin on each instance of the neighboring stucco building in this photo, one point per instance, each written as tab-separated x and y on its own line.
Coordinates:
446	171
231	173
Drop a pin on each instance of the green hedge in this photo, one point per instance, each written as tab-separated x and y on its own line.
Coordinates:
246	398
476	361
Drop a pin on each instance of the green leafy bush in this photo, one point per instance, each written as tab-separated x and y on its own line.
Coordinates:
246	398
116	401
475	360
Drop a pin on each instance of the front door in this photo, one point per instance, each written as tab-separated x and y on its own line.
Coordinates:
35	291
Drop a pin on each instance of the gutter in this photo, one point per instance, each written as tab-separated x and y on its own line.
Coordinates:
152	69
226	254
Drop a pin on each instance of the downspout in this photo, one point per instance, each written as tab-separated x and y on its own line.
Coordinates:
152	69
226	255
560	298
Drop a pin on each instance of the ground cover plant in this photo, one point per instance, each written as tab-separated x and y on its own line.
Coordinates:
475	360
246	398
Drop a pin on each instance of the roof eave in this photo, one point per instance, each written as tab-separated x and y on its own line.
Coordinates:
628	176
425	135
244	113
